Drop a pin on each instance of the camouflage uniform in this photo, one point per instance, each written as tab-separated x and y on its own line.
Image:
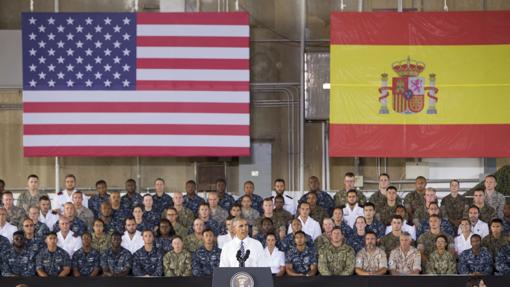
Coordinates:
441	264
277	223
389	242
26	200
502	263
227	201
420	214
250	215
16	215
164	244
102	243
148	263
34	245
445	227
341	197
204	261
336	260
185	216
256	203
496	201
281	216
86	262
116	262
20	263
413	201
41	230
452	208
371	262
318	213
386	213
192	243
78	227
506	225
160	203
470	263
144	225
152	217
129	202
404	263
213	225
324	200
52	262
95	202
5	245
86	216
177	265
379	200
219	214
193	202
346	230
428	240
301	260
487	213
377	227
357	242
180	230
494	244
289	242
118	217
321	241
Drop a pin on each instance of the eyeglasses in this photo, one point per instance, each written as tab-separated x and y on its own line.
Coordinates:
28	225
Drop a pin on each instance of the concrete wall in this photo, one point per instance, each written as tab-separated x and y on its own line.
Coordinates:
275	59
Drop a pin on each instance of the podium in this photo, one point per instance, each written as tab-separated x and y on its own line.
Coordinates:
242	277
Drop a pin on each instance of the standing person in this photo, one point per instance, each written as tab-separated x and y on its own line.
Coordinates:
275	257
371	260
99	198
392	240
247	211
132	198
86	261
280	214
195	239
494	198
83	213
486	212
150	215
279	190
338	220
116	261
78	226
177	262
240	246
256	200
204	213
164	236
40	228
217	212
405	259
226	200
477	260
15	214
453	205
148	260
372	223
340	197
386	212
52	261
192	200
325	238
161	200
206	257
65	195
67	239
357	239
30	197
502	260
316	211
171	216
185	216
379	197
336	258
416	198
324	200
225	238
101	241
301	259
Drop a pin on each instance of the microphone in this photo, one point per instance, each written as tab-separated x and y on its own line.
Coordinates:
242	259
238	256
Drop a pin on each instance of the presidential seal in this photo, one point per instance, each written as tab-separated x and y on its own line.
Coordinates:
242	279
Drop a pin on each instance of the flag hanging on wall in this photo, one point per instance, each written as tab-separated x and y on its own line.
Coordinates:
136	84
420	84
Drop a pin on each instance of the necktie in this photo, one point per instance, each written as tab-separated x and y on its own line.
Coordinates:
242	248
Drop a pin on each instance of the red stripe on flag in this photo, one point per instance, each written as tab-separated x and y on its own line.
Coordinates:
121	107
133	129
365	140
134	151
193	85
423	28
167	41
202	18
228	64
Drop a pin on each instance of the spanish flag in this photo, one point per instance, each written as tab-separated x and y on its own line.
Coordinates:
420	84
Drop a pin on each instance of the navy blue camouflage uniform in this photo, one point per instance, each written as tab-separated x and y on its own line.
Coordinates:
52	262
289	242
301	261
357	242
470	263
192	203
116	262
377	227
502	263
160	203
86	262
445	227
148	263
324	200
129	202
163	244
78	226
227	201
95	202
18	263
204	261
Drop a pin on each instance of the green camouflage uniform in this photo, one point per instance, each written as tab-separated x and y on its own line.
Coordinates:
185	216
452	208
177	265
336	260
191	242
413	201
341	198
428	240
379	200
318	213
180	230
26	200
389	242
493	244
487	213
386	213
441	264
282	216
320	241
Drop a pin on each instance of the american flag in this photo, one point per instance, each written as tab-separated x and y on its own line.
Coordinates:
136	84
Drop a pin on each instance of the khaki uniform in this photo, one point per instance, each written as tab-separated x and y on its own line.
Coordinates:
371	262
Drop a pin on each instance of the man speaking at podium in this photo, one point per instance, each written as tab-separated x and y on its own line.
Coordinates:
241	251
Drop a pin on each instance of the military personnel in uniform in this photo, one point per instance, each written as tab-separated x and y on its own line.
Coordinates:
40	229
268	207
279	213
30	197
357	239
340	197
405	259
131	198
217	212
494	198
379	197
290	240
445	225
453	205
177	262
496	239
336	258
371	260
487	213
148	260
372	223
101	241
99	198
195	239
86	261
78	227
506	218
385	214
204	213
185	216
118	213
179	229
392	240
32	241
52	261
301	259
427	241
324	200
415	199
249	213
226	200
19	260
338	220
160	199
164	236
206	257
15	214
117	260
256	200
150	216
502	261
477	260
316	211
327	226
440	261
421	212
82	212
288	201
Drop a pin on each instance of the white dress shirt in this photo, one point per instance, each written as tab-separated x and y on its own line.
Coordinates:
64	197
350	215
50	219
224	239
274	260
289	203
462	243
228	256
8	230
70	244
405	227
311	227
481	228
132	244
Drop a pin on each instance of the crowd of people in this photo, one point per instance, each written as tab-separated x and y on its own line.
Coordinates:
109	234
